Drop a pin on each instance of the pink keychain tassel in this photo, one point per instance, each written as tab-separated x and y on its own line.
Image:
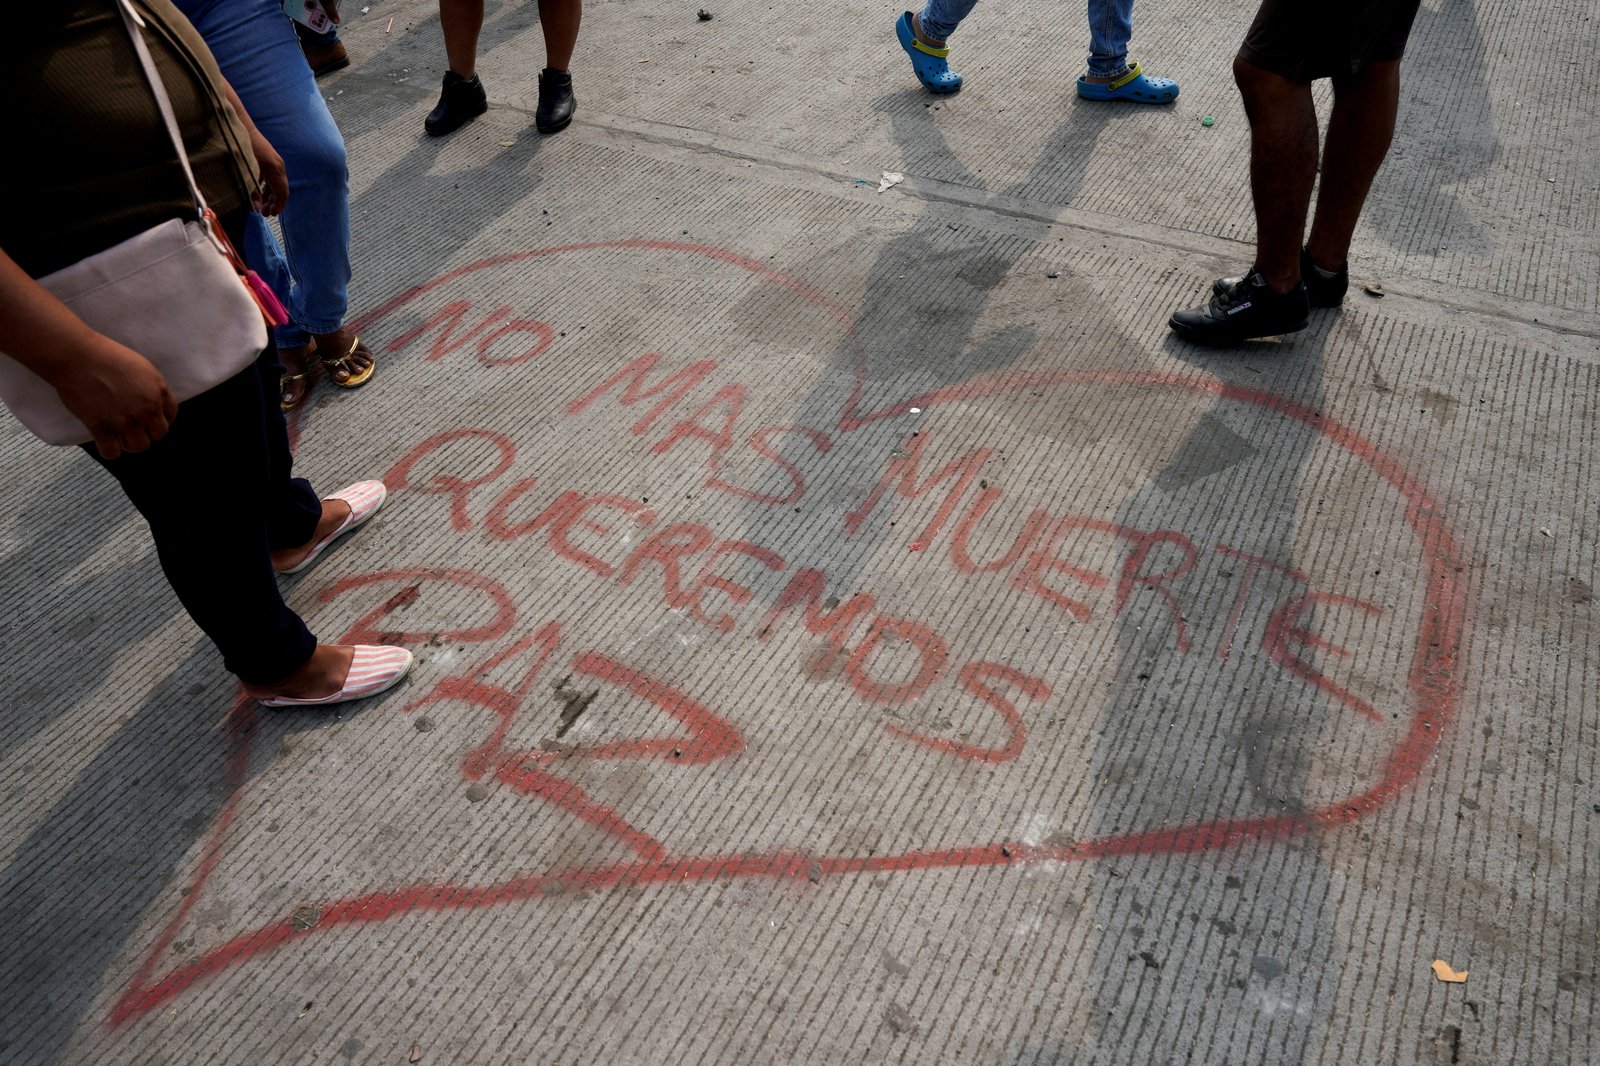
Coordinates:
271	307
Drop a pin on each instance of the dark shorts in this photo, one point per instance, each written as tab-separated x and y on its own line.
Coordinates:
1304	40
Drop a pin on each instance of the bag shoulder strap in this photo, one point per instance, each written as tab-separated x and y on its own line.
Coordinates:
133	21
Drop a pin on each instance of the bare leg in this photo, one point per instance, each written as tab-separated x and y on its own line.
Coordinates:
559	20
1359	132
1283	168
461	20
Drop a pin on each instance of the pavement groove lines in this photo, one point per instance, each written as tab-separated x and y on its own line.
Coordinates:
661	968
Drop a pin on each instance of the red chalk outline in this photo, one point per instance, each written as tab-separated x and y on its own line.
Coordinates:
1433	682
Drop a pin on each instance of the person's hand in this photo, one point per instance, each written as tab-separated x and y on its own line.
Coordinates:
274	191
119	396
332	8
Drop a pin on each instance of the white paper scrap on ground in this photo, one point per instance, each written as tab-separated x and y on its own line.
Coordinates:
889	180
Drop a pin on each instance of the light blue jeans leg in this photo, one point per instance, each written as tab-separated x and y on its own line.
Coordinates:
264	255
256	47
940	18
1110	30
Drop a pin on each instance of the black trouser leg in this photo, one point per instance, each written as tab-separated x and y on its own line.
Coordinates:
293	509
218	496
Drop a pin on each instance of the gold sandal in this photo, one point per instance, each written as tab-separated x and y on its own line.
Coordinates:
293	389
353	379
288	397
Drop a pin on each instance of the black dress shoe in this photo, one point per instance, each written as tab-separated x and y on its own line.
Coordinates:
555	101
1324	288
1244	310
461	101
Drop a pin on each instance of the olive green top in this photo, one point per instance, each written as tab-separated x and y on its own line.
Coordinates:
88	161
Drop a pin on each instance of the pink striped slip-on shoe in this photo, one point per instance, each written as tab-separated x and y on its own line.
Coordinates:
364	498
376	668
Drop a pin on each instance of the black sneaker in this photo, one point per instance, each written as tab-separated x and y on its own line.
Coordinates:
555	101
461	101
1244	310
1324	288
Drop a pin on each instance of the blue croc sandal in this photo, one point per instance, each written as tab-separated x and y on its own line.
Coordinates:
931	64
1135	87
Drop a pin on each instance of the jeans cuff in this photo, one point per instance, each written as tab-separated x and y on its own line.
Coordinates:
318	329
291	336
1108	66
931	25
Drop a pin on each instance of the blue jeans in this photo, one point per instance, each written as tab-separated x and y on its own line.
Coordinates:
1110	30
256	47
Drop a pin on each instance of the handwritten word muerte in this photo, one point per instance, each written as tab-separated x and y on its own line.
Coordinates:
885	658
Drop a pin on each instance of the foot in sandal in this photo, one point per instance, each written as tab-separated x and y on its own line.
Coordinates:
348	362
337	673
294	384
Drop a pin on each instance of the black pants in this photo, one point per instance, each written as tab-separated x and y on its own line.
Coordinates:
218	495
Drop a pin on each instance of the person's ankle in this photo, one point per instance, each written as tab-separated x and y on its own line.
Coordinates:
1105	79
334	513
1281	284
322	674
293	684
1326	263
916	29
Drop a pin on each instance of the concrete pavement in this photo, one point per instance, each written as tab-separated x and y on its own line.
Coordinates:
850	627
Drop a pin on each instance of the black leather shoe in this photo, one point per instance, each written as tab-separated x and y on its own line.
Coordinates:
555	101
1324	288
461	101
1244	310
